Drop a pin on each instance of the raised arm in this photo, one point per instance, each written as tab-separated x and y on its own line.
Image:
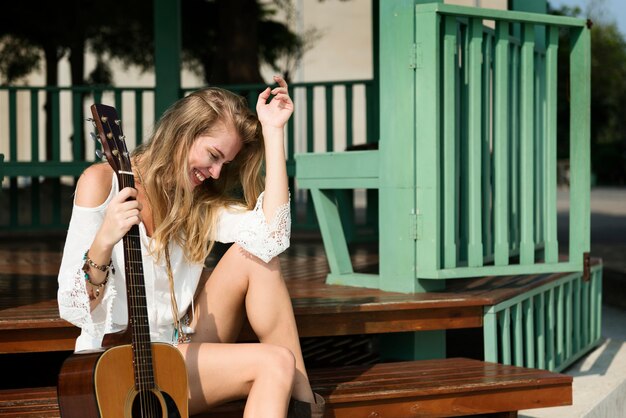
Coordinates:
273	115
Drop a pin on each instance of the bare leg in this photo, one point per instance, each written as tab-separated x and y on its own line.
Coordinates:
240	281
223	372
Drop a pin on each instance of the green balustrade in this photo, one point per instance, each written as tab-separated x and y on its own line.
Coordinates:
467	157
499	184
548	327
27	206
47	149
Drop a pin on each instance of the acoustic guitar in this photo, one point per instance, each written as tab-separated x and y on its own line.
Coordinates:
133	377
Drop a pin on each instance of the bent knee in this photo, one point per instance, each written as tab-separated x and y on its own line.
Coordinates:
278	364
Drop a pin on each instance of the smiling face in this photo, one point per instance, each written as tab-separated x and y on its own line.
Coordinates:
210	152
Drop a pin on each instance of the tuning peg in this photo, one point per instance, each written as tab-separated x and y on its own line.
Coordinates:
93	136
99	154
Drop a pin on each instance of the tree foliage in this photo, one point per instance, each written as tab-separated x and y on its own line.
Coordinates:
223	41
608	96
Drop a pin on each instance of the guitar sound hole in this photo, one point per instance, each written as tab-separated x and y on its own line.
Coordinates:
147	405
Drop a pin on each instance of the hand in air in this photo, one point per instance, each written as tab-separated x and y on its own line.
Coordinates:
276	112
121	215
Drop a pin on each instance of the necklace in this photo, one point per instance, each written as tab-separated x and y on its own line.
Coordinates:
179	335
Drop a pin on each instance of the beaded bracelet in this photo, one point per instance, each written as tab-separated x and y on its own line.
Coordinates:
104	268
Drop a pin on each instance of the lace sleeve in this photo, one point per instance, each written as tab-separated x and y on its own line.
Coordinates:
251	230
72	295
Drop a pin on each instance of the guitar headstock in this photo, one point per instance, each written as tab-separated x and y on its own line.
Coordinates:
111	137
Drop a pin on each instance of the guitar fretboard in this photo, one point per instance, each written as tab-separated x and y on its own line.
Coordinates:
136	295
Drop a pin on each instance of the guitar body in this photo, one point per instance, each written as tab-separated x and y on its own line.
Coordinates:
102	384
136	380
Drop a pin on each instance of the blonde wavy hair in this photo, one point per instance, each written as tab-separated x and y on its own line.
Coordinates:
184	214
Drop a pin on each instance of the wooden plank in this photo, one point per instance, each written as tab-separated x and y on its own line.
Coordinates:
461	405
514	149
550	169
474	164
422	212
501	140
24	315
33	339
506	15
580	149
337	170
450	133
382	321
327	210
448	387
527	129
31	402
47	169
529	329
29	317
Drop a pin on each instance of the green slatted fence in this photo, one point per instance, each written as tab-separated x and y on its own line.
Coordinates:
497	151
339	110
467	166
549	327
40	176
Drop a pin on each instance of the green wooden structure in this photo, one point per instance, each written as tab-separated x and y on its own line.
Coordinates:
549	327
466	167
466	174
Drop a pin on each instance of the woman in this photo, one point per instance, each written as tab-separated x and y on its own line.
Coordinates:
206	150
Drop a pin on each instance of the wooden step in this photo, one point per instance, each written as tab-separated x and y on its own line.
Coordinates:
433	388
29	318
29	403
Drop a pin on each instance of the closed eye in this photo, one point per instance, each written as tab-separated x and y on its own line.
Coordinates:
213	155
216	154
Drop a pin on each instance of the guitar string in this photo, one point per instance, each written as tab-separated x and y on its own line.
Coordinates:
130	287
144	336
139	344
142	348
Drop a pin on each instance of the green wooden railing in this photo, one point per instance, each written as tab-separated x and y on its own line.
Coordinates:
497	160
28	205
549	327
467	162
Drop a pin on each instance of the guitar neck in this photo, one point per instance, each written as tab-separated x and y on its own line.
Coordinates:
136	295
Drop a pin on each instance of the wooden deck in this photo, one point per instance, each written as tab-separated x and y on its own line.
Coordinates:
29	320
427	388
344	322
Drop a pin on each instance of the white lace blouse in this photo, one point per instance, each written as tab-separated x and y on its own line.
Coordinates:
248	228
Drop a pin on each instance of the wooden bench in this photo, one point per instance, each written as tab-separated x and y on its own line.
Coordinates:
425	388
31	323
